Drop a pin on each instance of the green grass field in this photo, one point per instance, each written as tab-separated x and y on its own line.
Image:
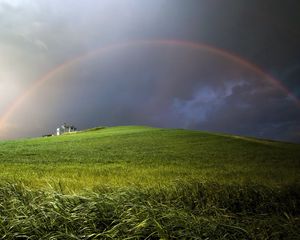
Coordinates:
149	183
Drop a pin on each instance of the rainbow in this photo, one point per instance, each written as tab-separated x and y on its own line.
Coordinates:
176	43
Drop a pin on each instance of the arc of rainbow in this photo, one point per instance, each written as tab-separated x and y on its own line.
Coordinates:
194	45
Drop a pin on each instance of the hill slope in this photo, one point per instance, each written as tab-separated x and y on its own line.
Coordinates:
149	183
121	156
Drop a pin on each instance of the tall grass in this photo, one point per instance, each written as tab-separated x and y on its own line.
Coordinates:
186	211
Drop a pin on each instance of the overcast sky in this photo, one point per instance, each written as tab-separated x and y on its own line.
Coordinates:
147	83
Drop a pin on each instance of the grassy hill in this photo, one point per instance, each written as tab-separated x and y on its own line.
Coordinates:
144	182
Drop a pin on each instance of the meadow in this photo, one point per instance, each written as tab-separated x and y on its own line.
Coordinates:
140	182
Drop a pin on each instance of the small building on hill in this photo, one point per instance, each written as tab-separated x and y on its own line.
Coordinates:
65	128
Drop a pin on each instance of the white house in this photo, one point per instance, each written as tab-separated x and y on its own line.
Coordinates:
65	129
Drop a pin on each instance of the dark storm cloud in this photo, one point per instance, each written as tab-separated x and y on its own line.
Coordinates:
155	85
244	112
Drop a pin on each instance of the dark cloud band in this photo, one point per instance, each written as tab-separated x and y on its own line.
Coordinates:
114	47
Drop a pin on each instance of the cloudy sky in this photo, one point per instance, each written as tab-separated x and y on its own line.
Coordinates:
224	66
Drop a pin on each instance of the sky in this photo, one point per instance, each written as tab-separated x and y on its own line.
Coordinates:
222	66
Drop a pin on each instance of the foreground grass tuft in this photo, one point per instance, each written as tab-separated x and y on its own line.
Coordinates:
186	211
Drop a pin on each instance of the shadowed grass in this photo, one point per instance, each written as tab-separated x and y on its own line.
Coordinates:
185	211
